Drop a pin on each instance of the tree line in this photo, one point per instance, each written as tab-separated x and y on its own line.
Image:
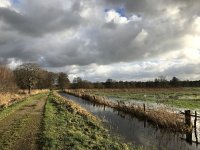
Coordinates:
160	82
31	76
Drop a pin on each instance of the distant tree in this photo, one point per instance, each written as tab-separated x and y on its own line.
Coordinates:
149	84
109	83
51	79
46	80
161	82
87	85
77	80
174	82
63	81
27	75
7	81
162	79
98	85
77	83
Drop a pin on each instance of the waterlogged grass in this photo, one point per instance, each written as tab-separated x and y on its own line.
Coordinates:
177	97
11	109
67	126
190	104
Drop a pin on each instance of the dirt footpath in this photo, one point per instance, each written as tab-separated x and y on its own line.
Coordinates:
21	129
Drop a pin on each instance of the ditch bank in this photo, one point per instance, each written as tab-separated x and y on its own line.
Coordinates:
136	131
66	125
159	117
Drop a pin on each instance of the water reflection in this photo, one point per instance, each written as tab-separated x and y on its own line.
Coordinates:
138	132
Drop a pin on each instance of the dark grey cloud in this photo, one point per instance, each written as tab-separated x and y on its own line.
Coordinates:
62	33
39	23
154	7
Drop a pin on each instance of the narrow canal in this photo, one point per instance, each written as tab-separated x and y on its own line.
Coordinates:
135	131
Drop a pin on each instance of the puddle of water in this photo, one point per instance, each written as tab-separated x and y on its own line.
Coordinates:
138	132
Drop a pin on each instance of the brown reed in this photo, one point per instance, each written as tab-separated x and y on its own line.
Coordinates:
160	117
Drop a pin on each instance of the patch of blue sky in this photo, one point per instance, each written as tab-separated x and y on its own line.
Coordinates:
15	1
120	10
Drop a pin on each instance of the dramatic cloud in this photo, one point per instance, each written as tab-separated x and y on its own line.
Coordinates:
124	40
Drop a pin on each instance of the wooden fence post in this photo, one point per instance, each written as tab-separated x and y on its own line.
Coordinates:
189	137
187	117
144	107
195	120
195	128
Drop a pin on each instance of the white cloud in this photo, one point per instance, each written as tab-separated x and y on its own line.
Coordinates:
13	63
113	16
5	3
173	12
196	25
192	56
135	18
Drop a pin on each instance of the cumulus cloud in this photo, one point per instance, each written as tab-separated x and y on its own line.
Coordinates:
100	39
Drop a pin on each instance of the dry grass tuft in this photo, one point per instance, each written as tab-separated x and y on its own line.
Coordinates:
75	108
8	98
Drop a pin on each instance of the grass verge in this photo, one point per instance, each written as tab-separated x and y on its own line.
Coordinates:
68	126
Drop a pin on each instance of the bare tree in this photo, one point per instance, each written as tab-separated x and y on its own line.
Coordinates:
27	75
7	82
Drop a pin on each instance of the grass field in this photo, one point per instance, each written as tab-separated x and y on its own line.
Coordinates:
68	126
177	97
51	122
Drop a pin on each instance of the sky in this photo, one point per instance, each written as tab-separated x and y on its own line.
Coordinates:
101	39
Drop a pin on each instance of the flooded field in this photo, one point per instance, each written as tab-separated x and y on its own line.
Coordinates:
140	132
171	97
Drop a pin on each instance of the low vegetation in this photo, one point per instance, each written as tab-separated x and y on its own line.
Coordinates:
10	98
67	126
159	117
188	98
